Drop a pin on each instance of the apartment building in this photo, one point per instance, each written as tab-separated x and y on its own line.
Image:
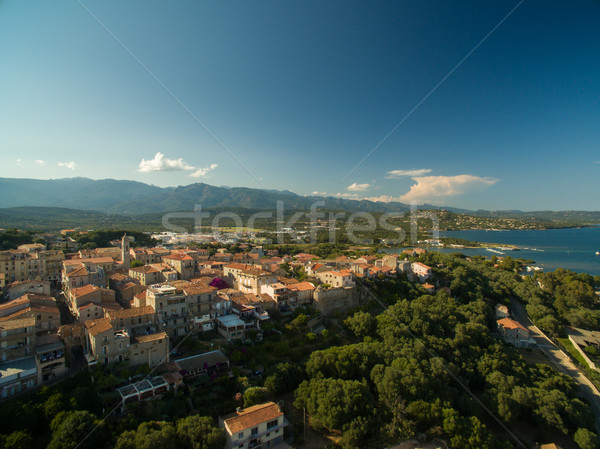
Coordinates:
108	342
42	308
20	265
17	338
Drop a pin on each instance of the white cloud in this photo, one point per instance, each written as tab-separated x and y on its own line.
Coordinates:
430	188
352	196
359	187
69	165
19	162
596	162
202	172
316	192
162	163
383	198
39	162
416	172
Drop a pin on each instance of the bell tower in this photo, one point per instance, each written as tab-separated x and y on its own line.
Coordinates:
125	252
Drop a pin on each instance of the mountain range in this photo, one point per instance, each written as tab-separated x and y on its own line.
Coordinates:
135	198
122	198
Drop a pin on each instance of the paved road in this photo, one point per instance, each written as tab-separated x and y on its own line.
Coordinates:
559	359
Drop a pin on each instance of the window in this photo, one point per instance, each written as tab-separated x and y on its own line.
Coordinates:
240	436
272	424
254	431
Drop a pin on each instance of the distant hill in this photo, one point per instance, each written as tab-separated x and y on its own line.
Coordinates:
110	203
56	218
76	193
133	198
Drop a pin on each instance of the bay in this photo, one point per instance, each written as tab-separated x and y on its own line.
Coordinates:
572	248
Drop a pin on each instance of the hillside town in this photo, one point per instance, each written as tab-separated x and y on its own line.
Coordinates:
131	304
149	322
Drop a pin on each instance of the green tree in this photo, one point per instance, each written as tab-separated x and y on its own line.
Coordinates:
136	263
75	429
18	440
149	435
199	432
333	403
286	378
254	395
586	439
362	324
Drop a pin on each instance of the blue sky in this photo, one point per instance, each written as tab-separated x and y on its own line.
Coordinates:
293	95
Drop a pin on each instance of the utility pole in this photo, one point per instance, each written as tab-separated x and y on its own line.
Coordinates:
304	423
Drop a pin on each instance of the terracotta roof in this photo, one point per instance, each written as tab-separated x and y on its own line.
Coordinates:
82	271
16	315
85	290
127	285
243	308
16	324
90	260
151	337
305	256
87	305
98	326
198	289
252	416
178	256
428	286
287	281
237	266
507	323
342	273
18	301
32	300
129	313
266	297
203	280
302	286
145	269
119	277
112	305
254	271
422	265
141	295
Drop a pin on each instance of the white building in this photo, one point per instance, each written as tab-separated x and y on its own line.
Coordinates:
422	271
260	426
342	278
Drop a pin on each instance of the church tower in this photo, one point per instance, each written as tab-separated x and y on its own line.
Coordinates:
125	252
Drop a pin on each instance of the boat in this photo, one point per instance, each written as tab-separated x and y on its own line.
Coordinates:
597	253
